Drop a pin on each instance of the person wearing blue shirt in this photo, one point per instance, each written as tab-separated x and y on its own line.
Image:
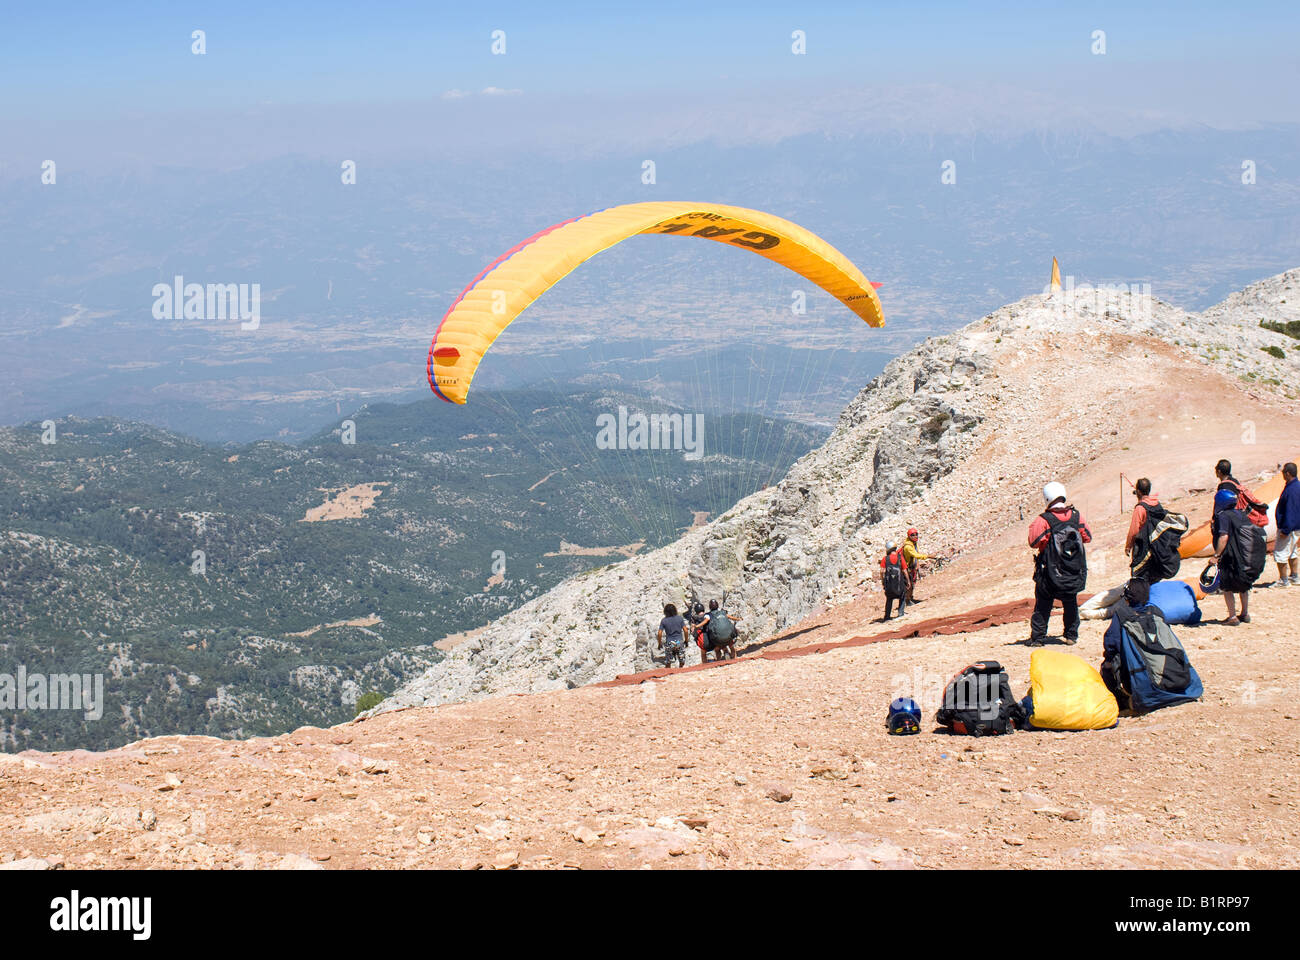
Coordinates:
1286	548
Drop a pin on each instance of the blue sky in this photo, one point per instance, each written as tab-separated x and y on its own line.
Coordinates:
137	55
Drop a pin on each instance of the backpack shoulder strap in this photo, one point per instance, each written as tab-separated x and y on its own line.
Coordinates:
1053	521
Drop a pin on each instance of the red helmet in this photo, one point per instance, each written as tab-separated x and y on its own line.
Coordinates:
912	534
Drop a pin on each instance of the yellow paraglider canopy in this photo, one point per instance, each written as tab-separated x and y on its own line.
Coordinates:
522	274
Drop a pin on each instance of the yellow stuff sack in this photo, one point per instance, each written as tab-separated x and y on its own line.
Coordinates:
1068	693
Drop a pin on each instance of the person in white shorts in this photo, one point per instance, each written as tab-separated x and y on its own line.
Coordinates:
1286	548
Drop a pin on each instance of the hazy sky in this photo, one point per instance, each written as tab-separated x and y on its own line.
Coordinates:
120	79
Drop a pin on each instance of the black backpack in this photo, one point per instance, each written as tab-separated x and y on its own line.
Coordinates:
1155	553
979	702
721	629
1244	556
894	579
1063	563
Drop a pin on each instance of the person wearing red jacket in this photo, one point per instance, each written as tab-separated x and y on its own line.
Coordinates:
1044	595
1142	490
1136	543
893	566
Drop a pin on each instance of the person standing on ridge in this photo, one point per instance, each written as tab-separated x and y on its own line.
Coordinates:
1223	527
721	631
672	636
1153	537
1286	548
893	577
1141	490
699	621
1057	536
912	556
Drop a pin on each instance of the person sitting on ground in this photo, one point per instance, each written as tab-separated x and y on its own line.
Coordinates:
1057	536
893	577
672	636
721	631
699	621
1224	525
1137	594
1286	548
913	556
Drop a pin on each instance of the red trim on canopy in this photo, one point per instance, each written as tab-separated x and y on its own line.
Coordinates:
473	283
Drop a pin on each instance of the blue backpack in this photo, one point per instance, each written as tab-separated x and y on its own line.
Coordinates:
1153	670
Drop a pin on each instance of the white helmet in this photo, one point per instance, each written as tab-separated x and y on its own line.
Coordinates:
1052	492
891	546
